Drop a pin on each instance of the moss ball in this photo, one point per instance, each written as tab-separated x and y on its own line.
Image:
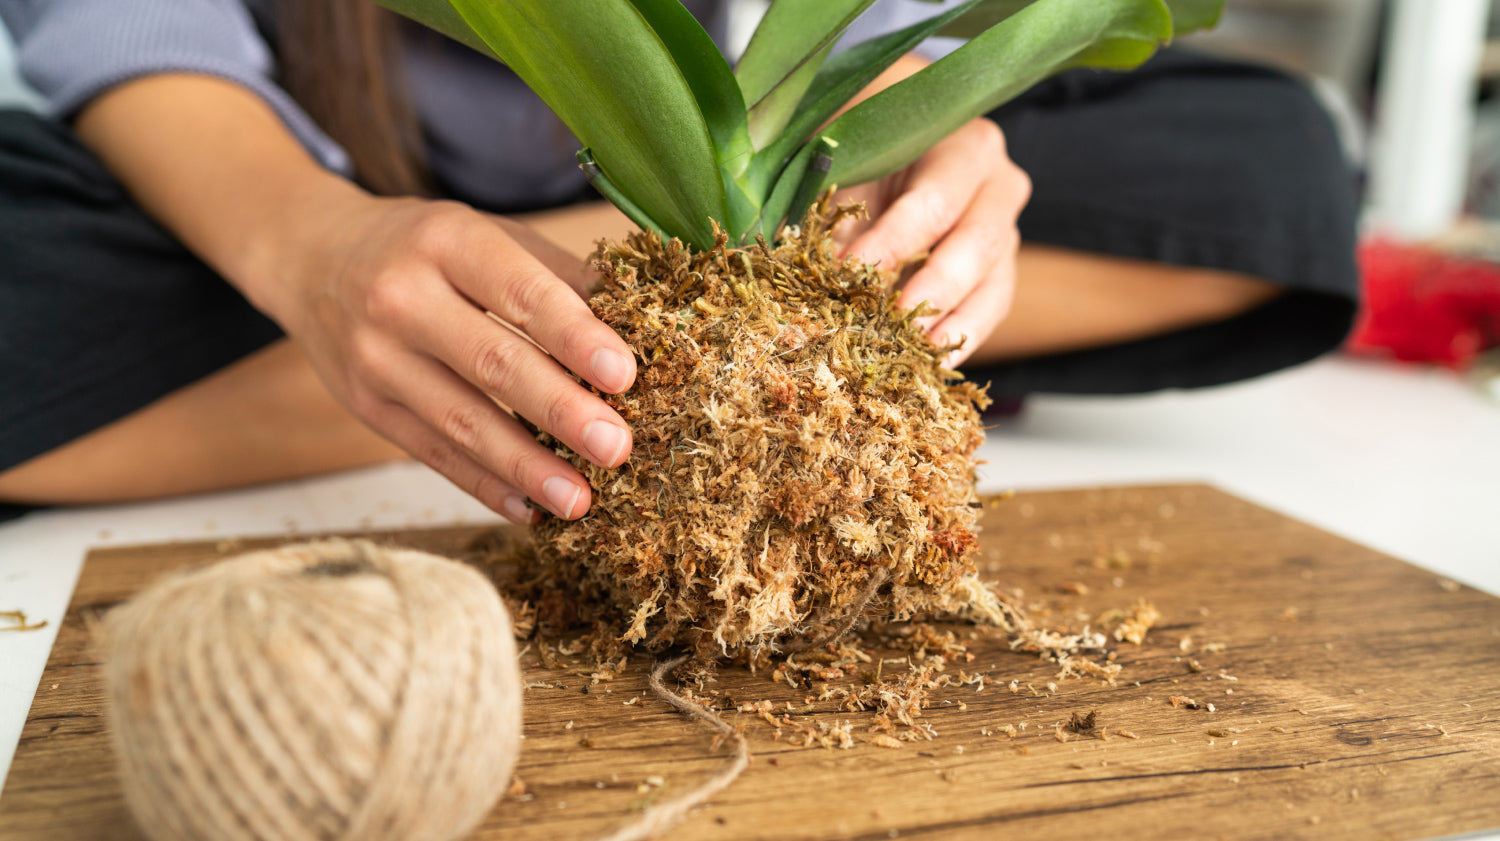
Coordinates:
796	438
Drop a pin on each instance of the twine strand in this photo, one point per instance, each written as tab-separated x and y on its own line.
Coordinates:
856	610
661	816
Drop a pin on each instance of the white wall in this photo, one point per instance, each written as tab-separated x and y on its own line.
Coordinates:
1424	121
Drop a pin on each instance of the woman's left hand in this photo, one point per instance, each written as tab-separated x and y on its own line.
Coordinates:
957	204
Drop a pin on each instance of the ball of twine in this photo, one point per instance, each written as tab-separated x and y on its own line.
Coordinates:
330	690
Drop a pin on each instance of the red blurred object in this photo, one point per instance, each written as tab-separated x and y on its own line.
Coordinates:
1421	305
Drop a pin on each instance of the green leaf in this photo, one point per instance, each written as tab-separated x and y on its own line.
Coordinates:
1113	54
790	32
784	53
607	189
892	128
984	16
843	76
708	75
1192	15
1187	16
771	114
778	203
813	180
642	124
719	100
438	15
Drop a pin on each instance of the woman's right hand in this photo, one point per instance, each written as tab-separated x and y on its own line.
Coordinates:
391	299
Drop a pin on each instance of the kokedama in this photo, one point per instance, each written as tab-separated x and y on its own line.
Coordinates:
801	456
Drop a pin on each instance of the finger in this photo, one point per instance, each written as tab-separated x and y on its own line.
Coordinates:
511	369
407	431
571	268
977	316
937	190
468	421
485	264
983	239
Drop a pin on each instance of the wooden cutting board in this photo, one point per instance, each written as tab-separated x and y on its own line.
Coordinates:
1352	696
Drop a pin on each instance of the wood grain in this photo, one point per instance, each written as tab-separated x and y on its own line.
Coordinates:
1354	696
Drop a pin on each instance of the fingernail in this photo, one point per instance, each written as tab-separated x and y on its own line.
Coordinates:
605	442
612	370
561	495
517	511
947	339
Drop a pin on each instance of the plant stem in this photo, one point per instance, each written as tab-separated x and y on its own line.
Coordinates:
607	188
812	180
812	183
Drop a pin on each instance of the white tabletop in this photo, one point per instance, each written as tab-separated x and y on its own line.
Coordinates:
1405	460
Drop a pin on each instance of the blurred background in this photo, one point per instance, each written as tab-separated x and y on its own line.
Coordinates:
1415	87
1412	82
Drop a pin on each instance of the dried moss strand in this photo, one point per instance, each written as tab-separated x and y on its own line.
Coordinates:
663	815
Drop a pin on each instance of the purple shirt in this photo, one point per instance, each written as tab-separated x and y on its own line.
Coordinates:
490	141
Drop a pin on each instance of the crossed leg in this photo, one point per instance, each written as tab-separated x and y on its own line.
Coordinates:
268	417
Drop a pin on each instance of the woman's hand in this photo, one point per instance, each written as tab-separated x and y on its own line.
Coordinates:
956	206
388	297
393	308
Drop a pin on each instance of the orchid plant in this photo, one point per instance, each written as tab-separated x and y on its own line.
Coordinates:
798	445
682	143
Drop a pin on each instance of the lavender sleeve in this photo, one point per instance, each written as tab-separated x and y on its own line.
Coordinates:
890	15
71	51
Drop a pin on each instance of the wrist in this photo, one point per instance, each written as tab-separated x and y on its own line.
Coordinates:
290	243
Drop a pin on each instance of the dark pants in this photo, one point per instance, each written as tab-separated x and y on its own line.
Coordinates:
101	310
1199	162
1187	161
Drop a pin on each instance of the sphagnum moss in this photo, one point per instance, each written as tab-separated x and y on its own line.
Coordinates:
801	457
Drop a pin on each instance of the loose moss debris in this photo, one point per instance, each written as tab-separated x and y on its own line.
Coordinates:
21	623
1084	725
1132	627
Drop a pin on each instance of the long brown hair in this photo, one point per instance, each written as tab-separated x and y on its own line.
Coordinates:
340	60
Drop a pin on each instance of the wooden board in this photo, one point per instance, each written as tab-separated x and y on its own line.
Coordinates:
1354	697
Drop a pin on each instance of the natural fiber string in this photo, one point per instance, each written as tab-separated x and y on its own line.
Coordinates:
327	691
851	616
658	818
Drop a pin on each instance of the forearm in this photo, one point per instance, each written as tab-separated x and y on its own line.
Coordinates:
1069	300
215	165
